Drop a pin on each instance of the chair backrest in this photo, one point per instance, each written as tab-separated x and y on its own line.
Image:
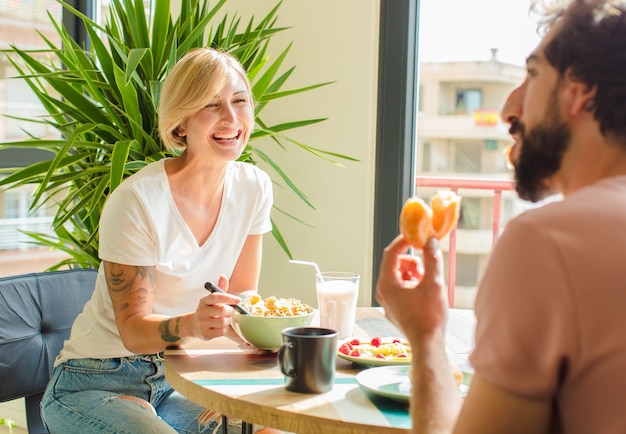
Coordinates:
36	314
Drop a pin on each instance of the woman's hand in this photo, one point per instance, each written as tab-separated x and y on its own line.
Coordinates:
213	314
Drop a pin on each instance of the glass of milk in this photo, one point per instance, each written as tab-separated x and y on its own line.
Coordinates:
337	293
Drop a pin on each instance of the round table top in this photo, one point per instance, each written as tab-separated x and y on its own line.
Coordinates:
239	382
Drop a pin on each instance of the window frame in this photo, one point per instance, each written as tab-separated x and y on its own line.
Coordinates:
74	25
14	157
396	129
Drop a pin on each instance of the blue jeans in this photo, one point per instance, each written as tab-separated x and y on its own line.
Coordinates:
83	397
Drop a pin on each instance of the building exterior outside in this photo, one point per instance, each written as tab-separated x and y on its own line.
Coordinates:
25	24
21	21
460	135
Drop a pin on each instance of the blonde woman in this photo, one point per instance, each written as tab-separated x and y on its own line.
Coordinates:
166	230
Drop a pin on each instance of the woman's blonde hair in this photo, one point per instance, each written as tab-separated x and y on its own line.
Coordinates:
195	79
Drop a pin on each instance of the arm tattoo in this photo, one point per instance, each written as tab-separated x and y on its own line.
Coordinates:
122	284
164	330
147	272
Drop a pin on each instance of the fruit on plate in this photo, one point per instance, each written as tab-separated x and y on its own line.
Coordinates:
419	222
378	348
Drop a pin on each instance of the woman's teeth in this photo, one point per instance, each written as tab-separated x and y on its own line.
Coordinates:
225	136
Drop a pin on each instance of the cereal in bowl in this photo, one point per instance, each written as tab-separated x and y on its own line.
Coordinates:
275	306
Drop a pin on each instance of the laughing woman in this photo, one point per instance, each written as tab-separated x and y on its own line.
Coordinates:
166	230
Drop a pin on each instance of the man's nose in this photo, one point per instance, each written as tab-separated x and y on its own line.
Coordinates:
512	109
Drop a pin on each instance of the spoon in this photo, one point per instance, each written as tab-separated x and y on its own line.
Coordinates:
210	286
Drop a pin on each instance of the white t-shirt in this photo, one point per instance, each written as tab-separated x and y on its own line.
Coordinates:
141	225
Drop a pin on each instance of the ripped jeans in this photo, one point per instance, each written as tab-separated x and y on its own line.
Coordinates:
83	397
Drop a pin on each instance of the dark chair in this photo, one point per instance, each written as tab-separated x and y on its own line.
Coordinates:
36	313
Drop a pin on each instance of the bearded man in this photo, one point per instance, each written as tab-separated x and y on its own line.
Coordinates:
549	350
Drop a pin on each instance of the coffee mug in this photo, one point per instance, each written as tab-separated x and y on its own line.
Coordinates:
307	359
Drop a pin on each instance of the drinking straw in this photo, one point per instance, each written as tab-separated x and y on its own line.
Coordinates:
317	269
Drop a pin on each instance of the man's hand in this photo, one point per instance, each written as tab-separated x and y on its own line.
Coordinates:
414	298
415	301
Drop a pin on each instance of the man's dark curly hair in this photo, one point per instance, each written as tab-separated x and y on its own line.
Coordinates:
591	42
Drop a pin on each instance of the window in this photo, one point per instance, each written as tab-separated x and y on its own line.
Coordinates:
467	158
426	157
467	266
11	208
16	204
24	22
22	19
472	79
469	63
470	213
468	100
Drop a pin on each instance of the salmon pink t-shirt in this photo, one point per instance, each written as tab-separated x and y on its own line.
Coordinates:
551	309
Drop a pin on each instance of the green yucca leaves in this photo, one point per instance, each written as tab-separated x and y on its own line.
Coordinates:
103	101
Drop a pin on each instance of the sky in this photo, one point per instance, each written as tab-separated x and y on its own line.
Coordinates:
460	30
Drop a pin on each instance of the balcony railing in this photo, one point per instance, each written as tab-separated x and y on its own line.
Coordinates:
454	184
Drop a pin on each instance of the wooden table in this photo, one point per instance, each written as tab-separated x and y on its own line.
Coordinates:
244	383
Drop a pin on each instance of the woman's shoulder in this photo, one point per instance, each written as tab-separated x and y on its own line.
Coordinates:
145	181
145	176
152	169
248	171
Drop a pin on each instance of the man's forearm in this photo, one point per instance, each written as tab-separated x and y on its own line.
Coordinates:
435	397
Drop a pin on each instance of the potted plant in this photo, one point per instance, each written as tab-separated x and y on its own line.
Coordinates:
10	424
102	101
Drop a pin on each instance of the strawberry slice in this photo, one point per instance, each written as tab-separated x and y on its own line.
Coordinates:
345	349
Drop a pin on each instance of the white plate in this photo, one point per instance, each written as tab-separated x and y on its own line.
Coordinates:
388	381
375	361
393	382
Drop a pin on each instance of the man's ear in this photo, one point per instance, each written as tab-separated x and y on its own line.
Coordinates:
579	93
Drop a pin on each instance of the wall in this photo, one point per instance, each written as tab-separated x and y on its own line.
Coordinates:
332	41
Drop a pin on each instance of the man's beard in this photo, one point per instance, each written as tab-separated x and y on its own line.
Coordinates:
541	153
